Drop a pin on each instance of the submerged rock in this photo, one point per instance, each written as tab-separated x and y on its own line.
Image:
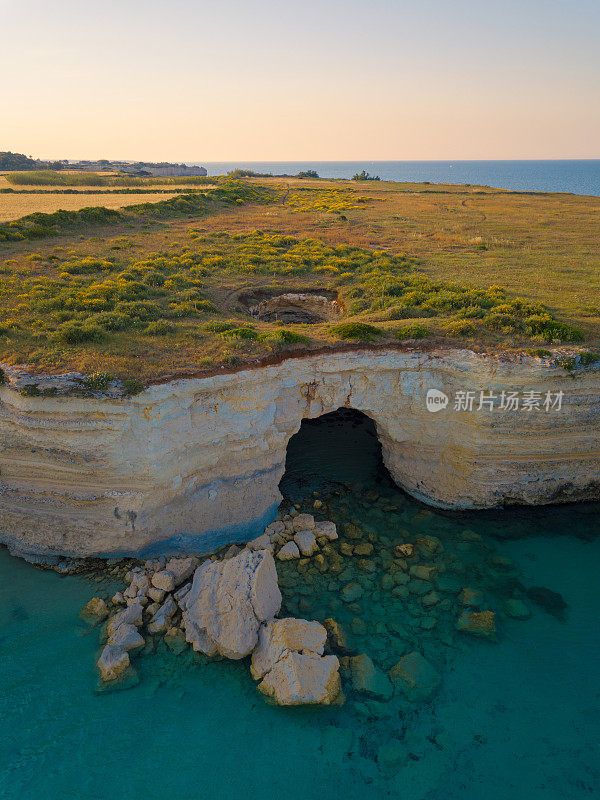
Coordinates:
175	640
391	754
336	636
478	623
368	679
516	608
471	597
352	591
94	611
428	545
550	601
228	602
422	572
416	677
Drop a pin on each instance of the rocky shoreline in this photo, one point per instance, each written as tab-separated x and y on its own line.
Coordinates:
255	601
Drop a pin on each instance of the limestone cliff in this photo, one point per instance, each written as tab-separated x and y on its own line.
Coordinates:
197	462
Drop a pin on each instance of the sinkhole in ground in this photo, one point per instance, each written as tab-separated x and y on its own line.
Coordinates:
308	307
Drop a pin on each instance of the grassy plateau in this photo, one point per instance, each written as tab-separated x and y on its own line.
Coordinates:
151	285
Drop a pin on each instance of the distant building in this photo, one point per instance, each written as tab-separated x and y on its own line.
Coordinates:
175	170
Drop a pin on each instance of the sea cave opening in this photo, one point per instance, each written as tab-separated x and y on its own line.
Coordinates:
336	449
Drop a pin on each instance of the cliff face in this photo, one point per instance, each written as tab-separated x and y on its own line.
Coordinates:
197	462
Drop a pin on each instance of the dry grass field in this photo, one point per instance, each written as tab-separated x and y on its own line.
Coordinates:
19	204
371	244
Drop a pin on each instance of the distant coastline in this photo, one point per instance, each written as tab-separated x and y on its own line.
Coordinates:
568	175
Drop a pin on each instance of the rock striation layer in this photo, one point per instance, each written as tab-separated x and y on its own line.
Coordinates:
195	463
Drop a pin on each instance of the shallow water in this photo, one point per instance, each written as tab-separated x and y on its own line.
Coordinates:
518	718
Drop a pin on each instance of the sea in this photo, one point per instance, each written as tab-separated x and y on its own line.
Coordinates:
515	717
576	176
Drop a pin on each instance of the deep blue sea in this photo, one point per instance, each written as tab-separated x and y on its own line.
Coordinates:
568	175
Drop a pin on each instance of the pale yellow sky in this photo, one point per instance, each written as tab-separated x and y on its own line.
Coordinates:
275	80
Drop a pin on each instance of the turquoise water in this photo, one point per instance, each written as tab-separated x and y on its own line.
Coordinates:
579	176
518	718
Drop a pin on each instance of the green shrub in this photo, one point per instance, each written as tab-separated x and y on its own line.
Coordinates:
78	333
548	328
459	328
97	381
240	333
111	321
283	336
231	360
539	352
359	331
412	332
132	386
158	328
30	390
218	326
583	359
586	358
138	310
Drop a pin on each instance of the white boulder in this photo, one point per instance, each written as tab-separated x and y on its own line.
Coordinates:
228	602
289	659
181	569
262	542
162	618
307	544
288	552
132	615
113	662
326	529
127	637
302	679
164	580
303	522
279	635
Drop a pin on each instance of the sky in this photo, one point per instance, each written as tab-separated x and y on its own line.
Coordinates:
276	80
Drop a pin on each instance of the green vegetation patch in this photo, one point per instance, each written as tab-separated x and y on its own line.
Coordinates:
357	331
40	225
412	332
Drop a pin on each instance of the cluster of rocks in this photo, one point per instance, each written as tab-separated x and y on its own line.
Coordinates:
298	536
230	606
224	607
